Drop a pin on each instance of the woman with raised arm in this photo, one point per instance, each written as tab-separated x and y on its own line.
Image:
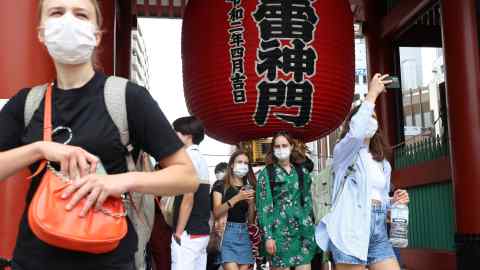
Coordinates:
355	229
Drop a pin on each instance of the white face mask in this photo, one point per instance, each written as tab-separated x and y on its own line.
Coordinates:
220	175
240	169
70	40
372	128
282	153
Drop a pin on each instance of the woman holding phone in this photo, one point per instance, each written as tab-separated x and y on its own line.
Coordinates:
235	197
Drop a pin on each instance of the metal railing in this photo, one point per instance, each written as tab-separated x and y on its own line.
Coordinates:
431	148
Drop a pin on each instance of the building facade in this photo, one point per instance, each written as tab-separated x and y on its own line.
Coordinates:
140	65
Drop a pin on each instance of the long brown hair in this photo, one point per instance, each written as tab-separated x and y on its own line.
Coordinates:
378	147
297	156
249	178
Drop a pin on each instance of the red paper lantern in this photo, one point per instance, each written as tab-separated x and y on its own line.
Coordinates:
255	67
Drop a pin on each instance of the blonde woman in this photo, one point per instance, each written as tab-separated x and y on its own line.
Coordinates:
70	30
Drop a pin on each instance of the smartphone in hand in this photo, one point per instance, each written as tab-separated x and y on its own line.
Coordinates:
248	187
395	84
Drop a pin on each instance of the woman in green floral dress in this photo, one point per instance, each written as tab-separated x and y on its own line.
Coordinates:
285	212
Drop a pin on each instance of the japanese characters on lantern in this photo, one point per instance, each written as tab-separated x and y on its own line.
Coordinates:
254	67
286	31
237	51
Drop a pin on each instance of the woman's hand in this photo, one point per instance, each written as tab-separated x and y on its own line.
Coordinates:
271	247
95	189
220	225
244	195
377	84
178	237
74	162
401	196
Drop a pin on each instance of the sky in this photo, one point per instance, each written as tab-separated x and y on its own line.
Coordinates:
163	41
2	102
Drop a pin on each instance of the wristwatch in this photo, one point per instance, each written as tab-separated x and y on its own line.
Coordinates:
229	204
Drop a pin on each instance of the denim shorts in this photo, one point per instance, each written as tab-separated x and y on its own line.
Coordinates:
379	247
236	245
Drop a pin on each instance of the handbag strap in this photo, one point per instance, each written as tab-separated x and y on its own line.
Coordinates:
47	126
301	183
47	115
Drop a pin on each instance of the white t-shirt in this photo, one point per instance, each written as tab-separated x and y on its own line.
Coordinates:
199	162
376	176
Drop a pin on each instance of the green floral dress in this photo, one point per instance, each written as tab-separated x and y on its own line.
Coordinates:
283	219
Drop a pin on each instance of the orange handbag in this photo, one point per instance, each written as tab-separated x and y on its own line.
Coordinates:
97	232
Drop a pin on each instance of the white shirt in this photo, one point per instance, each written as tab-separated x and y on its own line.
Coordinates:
199	162
347	225
376	177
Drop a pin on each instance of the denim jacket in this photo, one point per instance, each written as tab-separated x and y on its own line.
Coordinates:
348	223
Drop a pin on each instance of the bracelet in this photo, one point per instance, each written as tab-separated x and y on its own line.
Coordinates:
229	204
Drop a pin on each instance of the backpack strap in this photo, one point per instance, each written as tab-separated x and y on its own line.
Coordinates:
301	180
32	102
271	177
116	103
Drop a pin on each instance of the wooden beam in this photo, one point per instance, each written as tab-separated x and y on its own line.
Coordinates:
170	9
428	259
380	58
106	61
462	61
160	9
421	36
124	38
429	172
400	16
182	6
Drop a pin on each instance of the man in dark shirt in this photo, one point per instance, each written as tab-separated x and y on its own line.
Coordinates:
192	210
